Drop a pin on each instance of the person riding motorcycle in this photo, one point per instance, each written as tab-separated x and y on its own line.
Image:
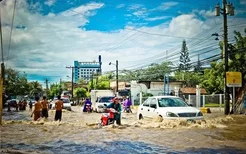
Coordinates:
116	105
87	103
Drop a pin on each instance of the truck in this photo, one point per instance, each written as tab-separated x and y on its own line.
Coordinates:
100	98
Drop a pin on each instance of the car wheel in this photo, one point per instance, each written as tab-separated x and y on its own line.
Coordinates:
140	117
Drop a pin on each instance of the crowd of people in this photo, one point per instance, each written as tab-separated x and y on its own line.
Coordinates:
41	108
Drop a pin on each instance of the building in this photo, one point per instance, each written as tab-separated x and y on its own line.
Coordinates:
85	70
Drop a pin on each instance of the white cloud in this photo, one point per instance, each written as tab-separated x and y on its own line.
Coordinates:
57	40
50	2
120	6
205	13
166	5
135	7
156	18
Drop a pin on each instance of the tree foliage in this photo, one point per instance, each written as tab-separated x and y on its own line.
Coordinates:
153	72
80	93
214	76
191	79
100	83
17	84
184	58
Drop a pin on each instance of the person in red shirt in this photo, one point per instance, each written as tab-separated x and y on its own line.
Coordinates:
58	106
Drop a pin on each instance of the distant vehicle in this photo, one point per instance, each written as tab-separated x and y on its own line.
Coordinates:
13	103
168	107
96	94
102	102
66	104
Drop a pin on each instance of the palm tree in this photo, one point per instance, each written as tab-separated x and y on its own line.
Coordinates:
35	88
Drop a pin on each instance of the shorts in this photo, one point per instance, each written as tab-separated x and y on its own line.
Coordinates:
45	113
37	115
58	115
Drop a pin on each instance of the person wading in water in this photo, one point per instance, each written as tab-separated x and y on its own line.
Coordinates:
58	106
45	105
37	109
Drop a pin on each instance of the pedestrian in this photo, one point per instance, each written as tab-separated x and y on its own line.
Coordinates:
37	109
30	105
45	106
117	106
58	107
128	105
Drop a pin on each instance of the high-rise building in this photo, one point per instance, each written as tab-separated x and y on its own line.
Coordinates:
85	70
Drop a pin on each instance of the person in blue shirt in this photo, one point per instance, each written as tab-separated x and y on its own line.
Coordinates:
116	105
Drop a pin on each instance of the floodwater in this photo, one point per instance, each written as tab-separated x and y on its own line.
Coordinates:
79	133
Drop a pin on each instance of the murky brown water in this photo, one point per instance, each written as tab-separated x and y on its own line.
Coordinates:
78	133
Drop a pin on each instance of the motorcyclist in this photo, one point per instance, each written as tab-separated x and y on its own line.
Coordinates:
87	102
116	105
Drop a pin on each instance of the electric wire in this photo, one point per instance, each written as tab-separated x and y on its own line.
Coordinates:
11	31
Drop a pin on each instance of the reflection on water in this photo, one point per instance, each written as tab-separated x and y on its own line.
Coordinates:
78	133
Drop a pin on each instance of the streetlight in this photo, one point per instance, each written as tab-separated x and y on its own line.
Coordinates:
117	84
228	9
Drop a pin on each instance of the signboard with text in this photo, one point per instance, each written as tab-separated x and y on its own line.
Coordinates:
233	79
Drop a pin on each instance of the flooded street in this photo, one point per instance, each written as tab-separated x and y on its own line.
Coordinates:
79	133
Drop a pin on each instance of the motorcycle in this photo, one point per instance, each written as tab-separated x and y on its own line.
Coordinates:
108	118
88	107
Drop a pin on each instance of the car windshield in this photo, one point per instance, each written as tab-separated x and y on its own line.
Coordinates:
171	102
105	99
65	101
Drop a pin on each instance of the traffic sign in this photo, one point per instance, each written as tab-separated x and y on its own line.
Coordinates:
234	79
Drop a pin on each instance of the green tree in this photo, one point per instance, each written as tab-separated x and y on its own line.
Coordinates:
213	80
214	77
184	58
153	72
191	78
15	83
80	93
198	67
35	88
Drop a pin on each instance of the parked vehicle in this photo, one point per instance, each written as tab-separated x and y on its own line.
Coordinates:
66	104
168	107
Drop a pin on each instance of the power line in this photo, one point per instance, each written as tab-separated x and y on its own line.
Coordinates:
11	30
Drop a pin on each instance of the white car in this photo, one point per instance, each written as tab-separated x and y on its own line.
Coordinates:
102	102
168	107
66	104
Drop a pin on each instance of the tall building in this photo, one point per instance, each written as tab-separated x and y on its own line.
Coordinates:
84	70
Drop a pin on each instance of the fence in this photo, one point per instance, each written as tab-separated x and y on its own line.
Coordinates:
211	101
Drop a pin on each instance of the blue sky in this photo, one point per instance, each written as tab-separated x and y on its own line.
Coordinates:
49	35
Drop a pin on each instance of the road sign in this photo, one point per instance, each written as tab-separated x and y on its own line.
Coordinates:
234	79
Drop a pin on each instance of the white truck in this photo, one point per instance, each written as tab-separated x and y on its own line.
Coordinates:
100	98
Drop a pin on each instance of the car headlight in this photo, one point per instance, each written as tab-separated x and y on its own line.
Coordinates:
170	114
199	114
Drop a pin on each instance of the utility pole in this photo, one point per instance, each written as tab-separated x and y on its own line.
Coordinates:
92	82
47	87
71	67
227	9
117	78
2	70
